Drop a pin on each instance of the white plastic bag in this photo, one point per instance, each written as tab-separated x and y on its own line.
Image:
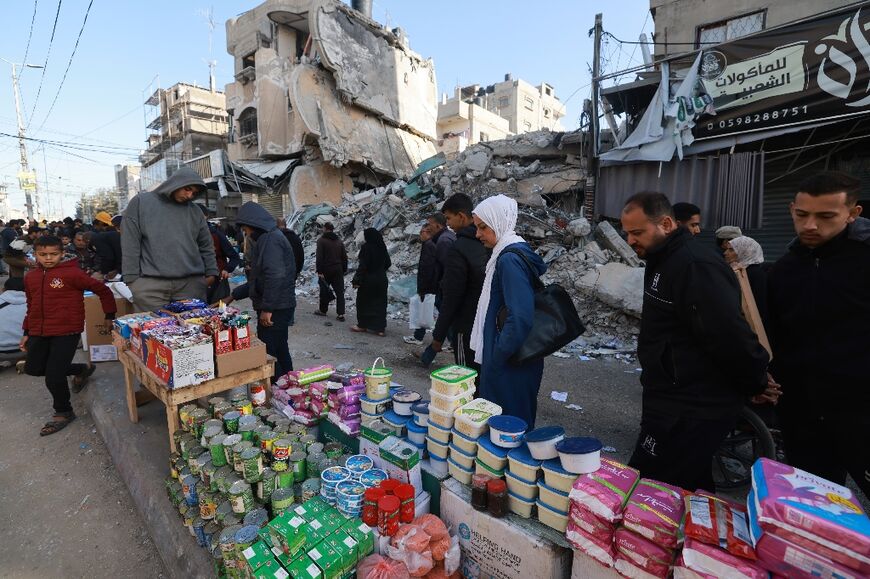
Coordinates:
453	558
421	312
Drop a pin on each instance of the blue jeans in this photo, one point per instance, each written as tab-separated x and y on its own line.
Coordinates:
275	338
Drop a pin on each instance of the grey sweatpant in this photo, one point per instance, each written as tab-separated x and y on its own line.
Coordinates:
152	293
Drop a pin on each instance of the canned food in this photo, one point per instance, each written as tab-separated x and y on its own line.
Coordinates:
282	499
213	422
252	464
241	497
267	439
184	416
207	473
192	455
231	421
310	489
214	402
245	537
237	455
188	487
223	509
282	428
309	439
247	431
189	517
258	432
200	461
221	409
284	479
312	464
227	544
186	442
281	449
249	419
229	442
207	505
258	517
209	432
176	496
219	478
176	438
315	448
244	406
216	448
197	420
199	531
297	461
212	532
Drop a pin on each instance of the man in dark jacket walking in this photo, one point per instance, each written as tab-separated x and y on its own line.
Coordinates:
271	281
819	309
106	243
226	256
298	252
461	284
427	283
330	266
700	358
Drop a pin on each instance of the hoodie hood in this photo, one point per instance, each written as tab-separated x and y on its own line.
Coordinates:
13	297
859	230
255	215
181	178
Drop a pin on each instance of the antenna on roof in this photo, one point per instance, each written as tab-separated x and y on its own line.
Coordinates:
209	21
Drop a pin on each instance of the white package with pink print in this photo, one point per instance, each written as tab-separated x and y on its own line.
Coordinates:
654	511
601	551
645	555
605	491
592	525
783	558
719	562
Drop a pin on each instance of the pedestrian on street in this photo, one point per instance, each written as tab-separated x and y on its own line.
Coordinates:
54	322
330	265
271	281
13	308
461	285
298	252
505	311
8	234
819	301
701	361
688	216
168	252
106	243
427	284
371	283
747	253
226	256
726	233
80	248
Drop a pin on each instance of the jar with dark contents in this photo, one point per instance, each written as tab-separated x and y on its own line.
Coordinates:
478	491
497	498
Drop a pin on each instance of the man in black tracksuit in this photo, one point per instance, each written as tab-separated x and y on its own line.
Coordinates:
819	307
461	284
700	359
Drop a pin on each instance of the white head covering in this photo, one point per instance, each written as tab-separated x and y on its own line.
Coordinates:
500	215
748	251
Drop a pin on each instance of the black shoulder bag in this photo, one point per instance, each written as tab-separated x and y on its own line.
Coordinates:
556	321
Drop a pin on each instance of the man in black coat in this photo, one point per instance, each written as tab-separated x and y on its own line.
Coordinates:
461	284
700	359
819	308
330	266
427	281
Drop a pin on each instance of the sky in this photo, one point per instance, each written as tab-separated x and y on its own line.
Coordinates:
93	119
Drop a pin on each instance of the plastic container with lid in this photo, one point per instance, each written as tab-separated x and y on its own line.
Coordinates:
449	403
466	444
403	401
551	517
436	448
471	418
557	477
417	433
442	418
580	455
421	412
481	468
397	422
521	463
421	448
370	406
497	498
542	442
491	455
507	431
553	498
478	491
520	506
522	488
438	466
464	460
453	380
367	419
461	474
438	433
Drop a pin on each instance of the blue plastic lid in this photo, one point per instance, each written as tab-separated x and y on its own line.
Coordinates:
457	433
542	484
414	427
459	466
545	433
554	465
438	427
513	475
437	458
522	454
551	508
421	407
394	418
498	451
521	499
579	445
509	424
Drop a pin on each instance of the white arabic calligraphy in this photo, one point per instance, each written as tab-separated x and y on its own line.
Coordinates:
844	61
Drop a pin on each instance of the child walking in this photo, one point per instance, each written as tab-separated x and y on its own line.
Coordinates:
55	318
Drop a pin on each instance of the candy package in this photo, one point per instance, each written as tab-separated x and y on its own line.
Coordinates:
606	491
601	551
654	511
185	305
718	562
645	555
717	522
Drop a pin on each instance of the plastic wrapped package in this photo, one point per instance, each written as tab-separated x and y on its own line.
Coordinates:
779	556
601	551
719	563
411	546
606	491
439	548
643	554
718	522
654	511
591	524
433	526
439	572
453	557
683	572
377	567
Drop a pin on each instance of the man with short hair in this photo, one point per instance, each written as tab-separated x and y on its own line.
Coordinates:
700	359
168	252
106	243
427	284
80	248
819	305
688	216
330	265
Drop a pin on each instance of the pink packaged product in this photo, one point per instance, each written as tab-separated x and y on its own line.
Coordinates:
606	491
591	524
646	555
318	406
683	572
654	511
318	390
349	426
810	512
628	569
313	374
601	551
779	556
720	563
306	417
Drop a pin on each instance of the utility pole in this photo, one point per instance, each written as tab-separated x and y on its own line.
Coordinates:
596	72
27	180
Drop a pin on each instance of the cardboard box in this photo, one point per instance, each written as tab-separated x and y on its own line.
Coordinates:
585	567
98	330
183	366
241	360
500	548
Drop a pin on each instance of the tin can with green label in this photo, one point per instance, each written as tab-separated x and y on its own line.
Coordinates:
184	416
223	509
312	465
259	430
232	519
282	428
247	431
192	459
229	442
241	497
188	517
252	464
249	419
310	489
175	493
185	443
281	454
198	418
231	421
209	432
285	479
216	448
214	402
213	422
298	464
282	499
227	544
238	449
315	448
200	461
207	475
307	440
266	485
220	478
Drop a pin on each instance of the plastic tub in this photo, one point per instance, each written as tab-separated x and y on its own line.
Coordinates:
421	412
520	506
463	475
367	419
449	403
378	381
453	380
439	434
436	448
440	417
471	419
421	448
465	444
553	498
464	460
507	431
491	455
542	442
522	488
370	406
417	433
521	463
403	401
580	454
438	465
557	477
480	468
551	517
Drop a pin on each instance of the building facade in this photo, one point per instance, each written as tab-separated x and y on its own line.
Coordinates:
127	183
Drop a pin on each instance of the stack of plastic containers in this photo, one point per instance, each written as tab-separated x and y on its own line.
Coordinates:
470	424
452	386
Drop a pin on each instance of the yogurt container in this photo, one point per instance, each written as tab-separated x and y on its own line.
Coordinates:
442	418
521	463
520	506
438	433
553	498
557	477
453	380
464	460
421	412
437	448
472	418
551	517
522	488
403	401
358	464
491	455
465	444
580	455
349	497
373	477
461	474
438	466
417	433
542	442
370	406
507	431
481	468
449	403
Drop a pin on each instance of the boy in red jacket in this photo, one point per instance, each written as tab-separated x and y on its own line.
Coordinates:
55	318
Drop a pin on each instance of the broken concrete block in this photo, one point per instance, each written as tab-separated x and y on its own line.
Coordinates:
413	230
394	200
617	285
579	227
477	161
594	251
499	172
363	197
325	218
611	239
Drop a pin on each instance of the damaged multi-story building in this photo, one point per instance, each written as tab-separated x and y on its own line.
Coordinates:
325	100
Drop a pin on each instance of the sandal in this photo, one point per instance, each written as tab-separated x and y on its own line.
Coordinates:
358	330
381	334
60	421
339	318
319	313
80	381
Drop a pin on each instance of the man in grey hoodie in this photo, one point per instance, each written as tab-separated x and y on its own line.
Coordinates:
167	250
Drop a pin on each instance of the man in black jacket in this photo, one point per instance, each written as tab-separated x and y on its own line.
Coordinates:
427	282
331	267
461	285
298	252
819	307
700	358
106	243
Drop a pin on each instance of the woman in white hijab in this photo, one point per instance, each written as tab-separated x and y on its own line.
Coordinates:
505	311
745	252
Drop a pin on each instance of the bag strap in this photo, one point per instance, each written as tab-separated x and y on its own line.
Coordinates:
537	284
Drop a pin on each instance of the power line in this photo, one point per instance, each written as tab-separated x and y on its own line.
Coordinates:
45	66
30	34
77	146
68	64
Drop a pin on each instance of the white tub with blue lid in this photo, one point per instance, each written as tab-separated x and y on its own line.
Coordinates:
523	488
403	402
421	412
417	433
521	463
542	441
520	506
438	466
437	448
553	497
495	457
580	454
557	477
460	456
397	422
507	431
439	433
467	444
459	472
366	419
421	448
370	406
553	518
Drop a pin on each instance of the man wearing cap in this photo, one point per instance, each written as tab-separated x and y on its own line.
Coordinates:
168	252
106	243
727	233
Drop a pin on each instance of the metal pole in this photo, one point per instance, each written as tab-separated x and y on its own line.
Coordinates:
22	146
596	72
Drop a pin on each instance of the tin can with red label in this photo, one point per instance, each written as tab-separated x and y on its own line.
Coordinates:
388	515
258	395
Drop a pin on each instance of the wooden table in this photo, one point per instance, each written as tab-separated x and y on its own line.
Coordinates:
134	369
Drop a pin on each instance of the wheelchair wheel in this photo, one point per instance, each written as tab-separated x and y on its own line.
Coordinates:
748	441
